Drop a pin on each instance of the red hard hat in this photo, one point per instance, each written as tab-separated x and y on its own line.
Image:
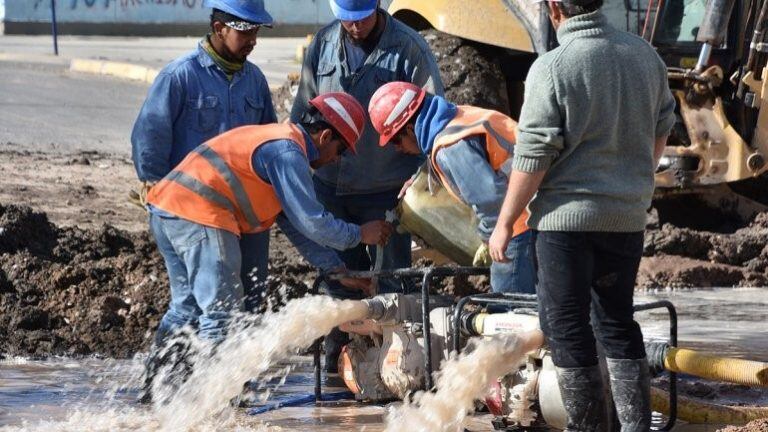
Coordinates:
344	113
392	106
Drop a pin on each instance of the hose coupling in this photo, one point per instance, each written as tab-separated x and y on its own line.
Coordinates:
382	307
656	353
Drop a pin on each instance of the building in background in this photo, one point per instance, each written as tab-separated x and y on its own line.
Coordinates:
150	17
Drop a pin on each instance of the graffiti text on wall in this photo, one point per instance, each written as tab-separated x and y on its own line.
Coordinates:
81	4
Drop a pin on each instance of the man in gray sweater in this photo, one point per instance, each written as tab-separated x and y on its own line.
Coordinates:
593	126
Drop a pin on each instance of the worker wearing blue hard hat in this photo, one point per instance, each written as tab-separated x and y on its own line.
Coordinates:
200	95
364	48
251	12
353	10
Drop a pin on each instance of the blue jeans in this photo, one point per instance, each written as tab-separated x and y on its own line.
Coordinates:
203	266
255	268
519	274
586	289
359	209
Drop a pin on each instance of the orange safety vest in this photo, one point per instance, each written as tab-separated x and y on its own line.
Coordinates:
499	132
216	186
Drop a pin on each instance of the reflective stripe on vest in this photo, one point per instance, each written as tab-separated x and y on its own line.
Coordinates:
216	186
204	191
243	203
456	129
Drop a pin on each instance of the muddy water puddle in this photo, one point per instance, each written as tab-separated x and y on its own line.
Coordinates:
731	322
48	395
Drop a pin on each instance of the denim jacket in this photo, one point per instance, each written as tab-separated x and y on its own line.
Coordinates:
190	102
401	55
465	165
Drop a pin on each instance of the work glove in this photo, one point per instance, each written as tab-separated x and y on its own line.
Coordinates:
482	256
139	196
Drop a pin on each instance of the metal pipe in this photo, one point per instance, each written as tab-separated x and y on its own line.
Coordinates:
316	349
54	28
672	416
425	322
704	55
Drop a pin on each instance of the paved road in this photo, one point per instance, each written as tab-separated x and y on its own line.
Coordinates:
275	56
49	109
45	107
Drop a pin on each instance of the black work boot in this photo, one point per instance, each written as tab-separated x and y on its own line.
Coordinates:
582	393
631	388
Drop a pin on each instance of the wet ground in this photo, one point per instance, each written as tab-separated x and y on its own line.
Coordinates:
722	321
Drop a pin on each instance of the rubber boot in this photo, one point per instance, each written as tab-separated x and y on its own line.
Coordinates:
173	364
631	388
582	393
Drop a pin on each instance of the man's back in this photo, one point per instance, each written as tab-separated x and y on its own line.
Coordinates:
609	89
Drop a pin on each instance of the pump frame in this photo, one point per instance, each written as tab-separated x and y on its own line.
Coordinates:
512	300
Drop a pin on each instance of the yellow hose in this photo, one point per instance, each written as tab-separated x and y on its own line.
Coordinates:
737	371
694	411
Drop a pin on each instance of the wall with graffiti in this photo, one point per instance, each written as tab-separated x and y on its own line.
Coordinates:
153	11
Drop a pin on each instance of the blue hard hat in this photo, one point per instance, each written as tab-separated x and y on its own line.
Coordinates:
248	10
353	10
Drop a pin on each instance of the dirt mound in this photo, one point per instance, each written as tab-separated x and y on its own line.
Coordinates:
760	425
682	257
471	76
68	291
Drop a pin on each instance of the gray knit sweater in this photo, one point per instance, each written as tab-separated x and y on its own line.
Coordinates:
593	108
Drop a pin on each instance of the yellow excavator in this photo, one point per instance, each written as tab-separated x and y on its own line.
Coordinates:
711	174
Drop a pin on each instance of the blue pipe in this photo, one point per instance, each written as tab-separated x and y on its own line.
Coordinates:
300	400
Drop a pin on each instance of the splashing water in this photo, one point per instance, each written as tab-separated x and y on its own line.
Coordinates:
248	352
461	380
202	403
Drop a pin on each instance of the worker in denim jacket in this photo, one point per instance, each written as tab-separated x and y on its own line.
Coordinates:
362	50
202	94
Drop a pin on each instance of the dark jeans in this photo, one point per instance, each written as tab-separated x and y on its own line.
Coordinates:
583	274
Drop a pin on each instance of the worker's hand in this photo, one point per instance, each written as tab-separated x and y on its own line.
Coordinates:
497	245
375	232
358	284
139	196
482	256
405	187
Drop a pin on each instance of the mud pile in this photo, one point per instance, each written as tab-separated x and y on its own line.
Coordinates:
754	426
683	258
69	291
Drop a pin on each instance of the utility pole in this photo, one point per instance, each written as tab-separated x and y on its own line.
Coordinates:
54	29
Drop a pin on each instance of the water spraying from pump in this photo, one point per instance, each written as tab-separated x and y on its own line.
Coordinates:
461	380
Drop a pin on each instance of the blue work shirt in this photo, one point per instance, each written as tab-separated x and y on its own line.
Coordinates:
465	165
190	102
401	55
303	220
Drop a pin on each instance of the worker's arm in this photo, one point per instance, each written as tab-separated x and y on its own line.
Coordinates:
307	84
522	188
287	169
466	167
658	149
539	143
152	136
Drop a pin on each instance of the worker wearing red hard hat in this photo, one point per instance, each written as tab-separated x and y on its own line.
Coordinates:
469	150
241	182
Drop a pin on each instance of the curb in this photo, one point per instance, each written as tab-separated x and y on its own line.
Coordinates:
116	69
